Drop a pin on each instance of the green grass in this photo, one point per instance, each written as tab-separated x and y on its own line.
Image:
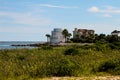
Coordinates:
59	61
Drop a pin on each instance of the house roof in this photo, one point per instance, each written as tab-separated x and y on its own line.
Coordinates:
115	31
85	30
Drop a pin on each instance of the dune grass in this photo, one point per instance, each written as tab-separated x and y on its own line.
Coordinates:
77	61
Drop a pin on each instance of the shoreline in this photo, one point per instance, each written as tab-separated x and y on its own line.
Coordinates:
54	44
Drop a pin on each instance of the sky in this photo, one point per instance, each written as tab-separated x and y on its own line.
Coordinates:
31	20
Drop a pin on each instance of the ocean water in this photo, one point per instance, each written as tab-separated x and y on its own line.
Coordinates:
7	44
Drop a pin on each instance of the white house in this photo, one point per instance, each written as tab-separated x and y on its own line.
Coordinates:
115	32
57	36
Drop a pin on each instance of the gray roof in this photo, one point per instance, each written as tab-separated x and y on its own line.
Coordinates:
115	31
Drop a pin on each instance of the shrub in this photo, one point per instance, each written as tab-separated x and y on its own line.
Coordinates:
61	67
115	45
111	67
101	46
106	66
112	46
71	51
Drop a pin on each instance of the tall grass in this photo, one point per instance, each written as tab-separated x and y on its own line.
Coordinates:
59	61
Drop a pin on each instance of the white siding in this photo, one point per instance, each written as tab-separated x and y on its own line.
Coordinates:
57	36
117	34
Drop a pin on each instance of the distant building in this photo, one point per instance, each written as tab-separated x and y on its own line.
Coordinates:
84	32
115	32
57	36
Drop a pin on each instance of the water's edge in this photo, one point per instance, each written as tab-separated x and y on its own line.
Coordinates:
8	44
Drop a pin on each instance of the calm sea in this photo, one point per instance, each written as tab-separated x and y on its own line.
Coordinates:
7	44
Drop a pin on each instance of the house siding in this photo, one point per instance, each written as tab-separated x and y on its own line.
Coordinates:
81	32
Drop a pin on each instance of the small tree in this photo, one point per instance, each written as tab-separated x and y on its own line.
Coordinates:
65	33
69	34
48	37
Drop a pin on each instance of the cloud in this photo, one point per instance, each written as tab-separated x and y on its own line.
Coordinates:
25	18
93	9
108	9
56	6
107	15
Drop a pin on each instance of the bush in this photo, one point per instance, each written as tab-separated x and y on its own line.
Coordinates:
111	67
63	68
102	46
71	51
115	45
106	66
112	46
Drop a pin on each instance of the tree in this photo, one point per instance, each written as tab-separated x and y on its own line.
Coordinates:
90	38
65	33
114	38
48	37
96	38
103	38
69	34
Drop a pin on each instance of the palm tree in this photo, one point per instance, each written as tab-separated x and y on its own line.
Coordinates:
69	34
65	33
48	37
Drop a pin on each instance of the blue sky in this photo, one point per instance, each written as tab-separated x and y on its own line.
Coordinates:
30	20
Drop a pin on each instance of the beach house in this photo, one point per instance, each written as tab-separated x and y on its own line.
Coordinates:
116	32
84	32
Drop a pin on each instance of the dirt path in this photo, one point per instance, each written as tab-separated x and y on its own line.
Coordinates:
84	78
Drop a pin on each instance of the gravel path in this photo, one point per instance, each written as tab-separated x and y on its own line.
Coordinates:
84	78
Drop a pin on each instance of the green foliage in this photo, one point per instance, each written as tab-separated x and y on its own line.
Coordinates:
86	47
61	67
110	66
71	51
48	37
66	35
115	45
106	66
59	61
101	38
47	48
101	46
112	46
